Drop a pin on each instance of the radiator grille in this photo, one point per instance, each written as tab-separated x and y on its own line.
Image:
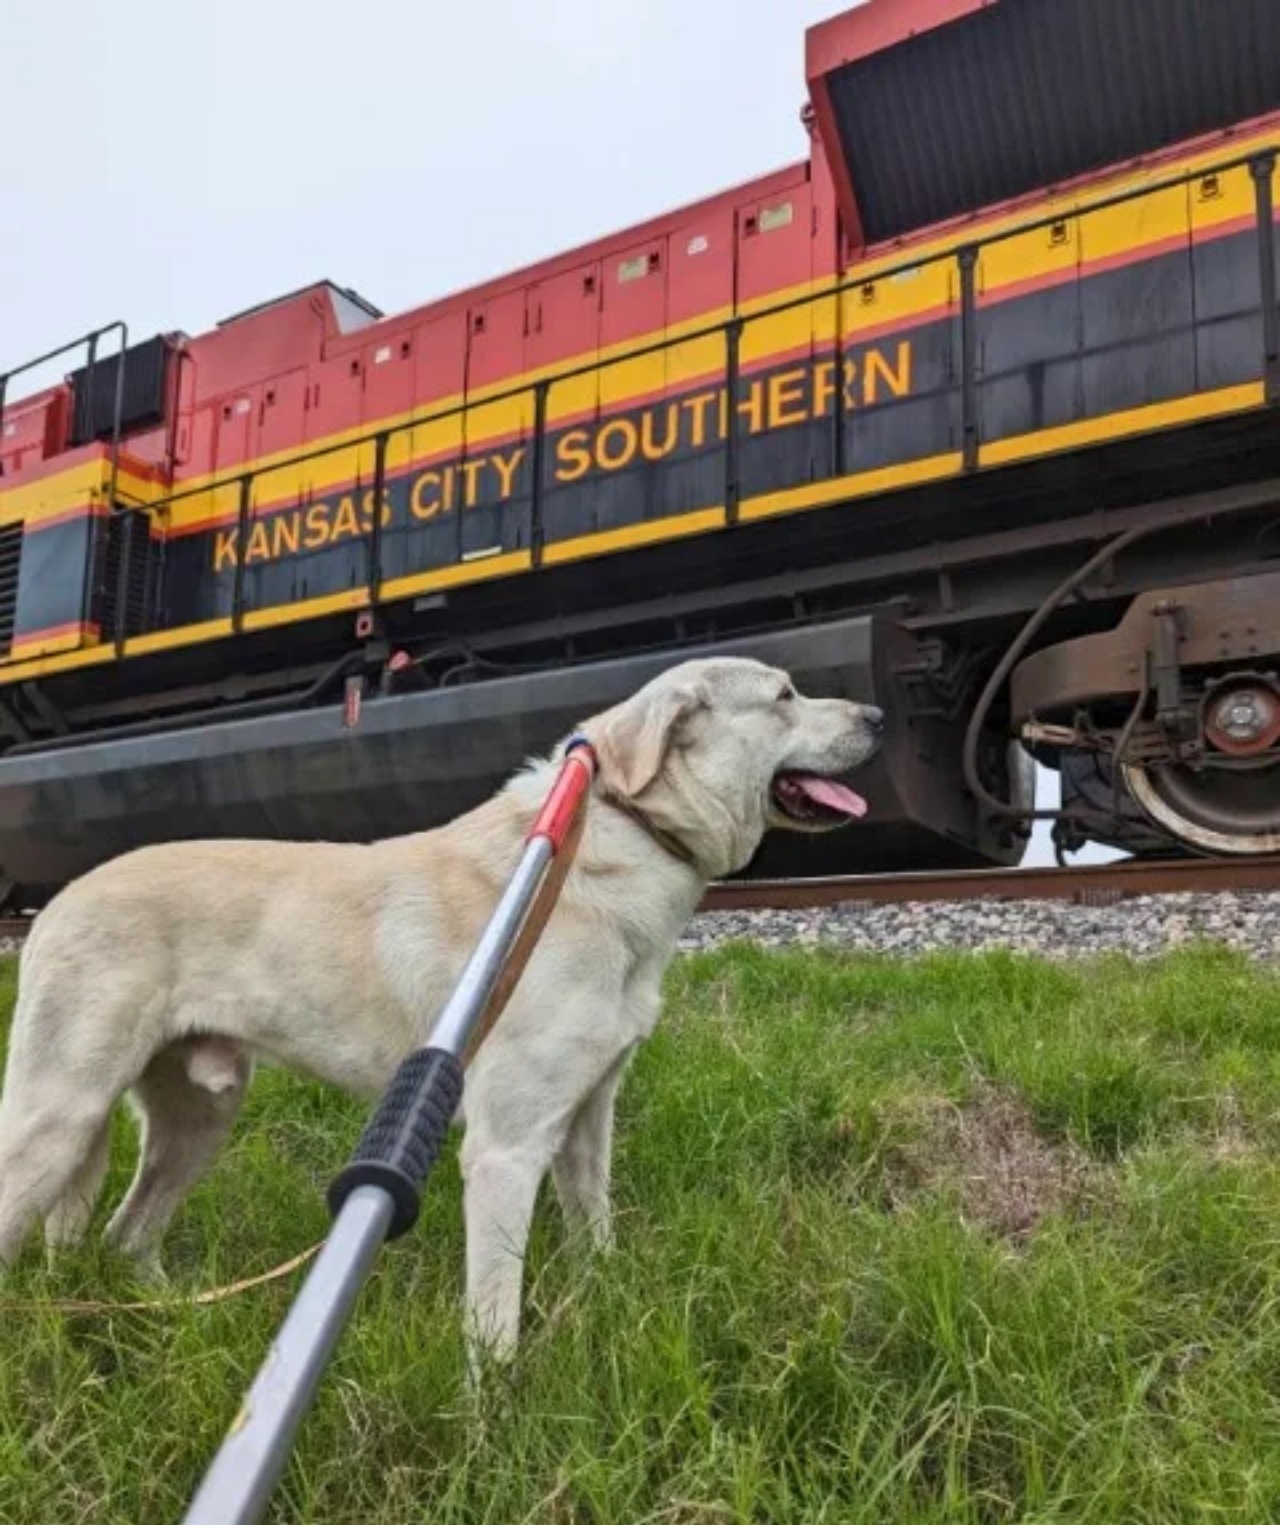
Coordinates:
10	566
139	586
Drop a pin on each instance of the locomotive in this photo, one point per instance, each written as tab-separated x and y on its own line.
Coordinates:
970	412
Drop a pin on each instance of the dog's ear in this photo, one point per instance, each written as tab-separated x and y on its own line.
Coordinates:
633	739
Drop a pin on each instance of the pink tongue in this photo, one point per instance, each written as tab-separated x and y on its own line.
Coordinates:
833	796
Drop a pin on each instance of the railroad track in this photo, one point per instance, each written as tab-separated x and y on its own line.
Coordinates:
1096	884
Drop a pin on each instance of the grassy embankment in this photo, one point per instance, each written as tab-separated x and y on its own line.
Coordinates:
966	1239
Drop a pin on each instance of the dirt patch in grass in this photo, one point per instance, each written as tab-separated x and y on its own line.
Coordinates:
1230	1139
1006	1174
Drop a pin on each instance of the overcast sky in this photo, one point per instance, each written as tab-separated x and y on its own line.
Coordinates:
170	163
177	162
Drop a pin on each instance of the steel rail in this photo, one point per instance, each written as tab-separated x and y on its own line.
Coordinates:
1091	883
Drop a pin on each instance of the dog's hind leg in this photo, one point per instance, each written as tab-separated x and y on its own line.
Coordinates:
184	1122
44	1152
53	1125
76	1042
69	1217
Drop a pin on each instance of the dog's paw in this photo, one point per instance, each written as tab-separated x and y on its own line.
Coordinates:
489	1379
149	1271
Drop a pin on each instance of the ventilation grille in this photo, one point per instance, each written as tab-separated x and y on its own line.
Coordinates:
10	567
1030	93
141	575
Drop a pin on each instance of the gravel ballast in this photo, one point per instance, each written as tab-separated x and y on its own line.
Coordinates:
1144	926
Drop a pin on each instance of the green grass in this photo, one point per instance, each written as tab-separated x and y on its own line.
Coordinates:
973	1238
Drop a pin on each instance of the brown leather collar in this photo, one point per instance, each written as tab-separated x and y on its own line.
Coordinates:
664	839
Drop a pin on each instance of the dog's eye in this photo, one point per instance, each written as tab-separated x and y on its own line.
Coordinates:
786	696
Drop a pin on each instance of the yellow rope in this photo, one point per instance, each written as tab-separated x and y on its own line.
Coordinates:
199	1299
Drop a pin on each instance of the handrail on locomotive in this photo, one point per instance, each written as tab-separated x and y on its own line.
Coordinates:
1195	734
965	257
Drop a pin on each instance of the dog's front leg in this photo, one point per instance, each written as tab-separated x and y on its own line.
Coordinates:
582	1168
583	1165
500	1188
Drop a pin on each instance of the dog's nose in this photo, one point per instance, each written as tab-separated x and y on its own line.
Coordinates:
873	716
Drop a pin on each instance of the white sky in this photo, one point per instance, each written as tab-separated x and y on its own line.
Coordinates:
170	163
177	162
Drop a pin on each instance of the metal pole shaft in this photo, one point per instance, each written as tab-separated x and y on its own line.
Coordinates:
239	1484
462	1009
244	1473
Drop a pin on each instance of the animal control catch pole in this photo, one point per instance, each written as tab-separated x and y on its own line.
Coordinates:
377	1196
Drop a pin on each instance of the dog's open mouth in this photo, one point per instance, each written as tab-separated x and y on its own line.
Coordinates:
812	800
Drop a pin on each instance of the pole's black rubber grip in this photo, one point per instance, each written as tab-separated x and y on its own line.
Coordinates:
403	1138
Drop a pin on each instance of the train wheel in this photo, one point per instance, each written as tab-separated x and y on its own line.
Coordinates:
1229	801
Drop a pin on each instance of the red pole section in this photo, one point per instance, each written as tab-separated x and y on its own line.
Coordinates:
557	815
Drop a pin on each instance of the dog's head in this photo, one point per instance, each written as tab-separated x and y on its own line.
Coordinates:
717	751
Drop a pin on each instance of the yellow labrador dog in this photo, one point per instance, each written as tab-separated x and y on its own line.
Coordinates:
166	973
